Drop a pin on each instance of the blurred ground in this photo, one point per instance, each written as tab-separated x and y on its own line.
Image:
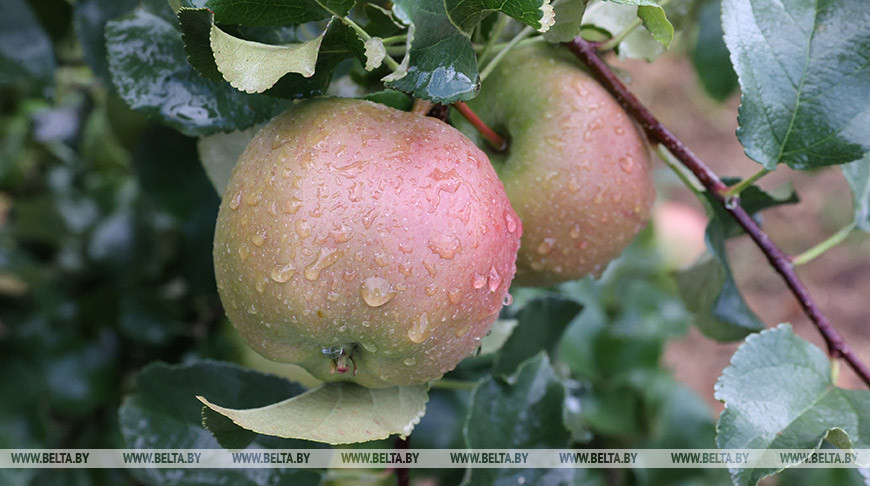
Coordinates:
839	280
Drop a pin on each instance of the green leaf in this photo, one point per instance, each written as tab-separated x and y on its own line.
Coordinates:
466	14
196	27
805	79
26	53
150	71
710	55
858	176
709	291
498	336
441	65
654	19
163	413
569	19
265	13
613	18
778	394
336	413
754	200
89	19
220	152
391	98
541	324
254	67
708	288
523	411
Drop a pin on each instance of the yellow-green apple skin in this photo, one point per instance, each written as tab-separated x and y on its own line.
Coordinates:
577	171
364	243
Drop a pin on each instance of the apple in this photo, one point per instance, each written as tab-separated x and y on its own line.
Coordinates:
364	243
679	233
576	169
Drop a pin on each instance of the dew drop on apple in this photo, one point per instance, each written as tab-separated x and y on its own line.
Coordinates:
445	246
508	299
236	200
259	238
494	279
546	246
410	361
326	258
479	280
626	164
510	222
431	289
375	292
417	331
454	295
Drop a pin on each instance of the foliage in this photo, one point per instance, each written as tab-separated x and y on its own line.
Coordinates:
107	220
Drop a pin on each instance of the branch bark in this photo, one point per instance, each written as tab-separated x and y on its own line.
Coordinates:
658	133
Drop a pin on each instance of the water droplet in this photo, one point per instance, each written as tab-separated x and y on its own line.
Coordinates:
431	289
410	361
292	205
546	246
370	347
283	273
417	332
510	221
326	258
573	185
252	198
252	310
575	232
349	275
261	286
259	238
341	234
626	164
376	291
618	130
495	279
508	299
332	296
405	248
236	200
244	252
430	268
444	246
730	202
461	331
303	229
478	281
381	259
454	295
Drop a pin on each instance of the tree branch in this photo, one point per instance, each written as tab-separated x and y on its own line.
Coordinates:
657	132
403	474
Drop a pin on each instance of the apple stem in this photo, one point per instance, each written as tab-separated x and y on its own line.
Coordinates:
657	132
494	139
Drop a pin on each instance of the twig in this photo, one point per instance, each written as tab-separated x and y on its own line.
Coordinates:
403	474
657	132
741	186
832	241
489	134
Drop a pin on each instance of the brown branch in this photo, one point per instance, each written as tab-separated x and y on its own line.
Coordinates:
403	474
489	134
657	132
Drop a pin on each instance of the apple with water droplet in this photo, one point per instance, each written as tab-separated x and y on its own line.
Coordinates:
352	238
576	168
